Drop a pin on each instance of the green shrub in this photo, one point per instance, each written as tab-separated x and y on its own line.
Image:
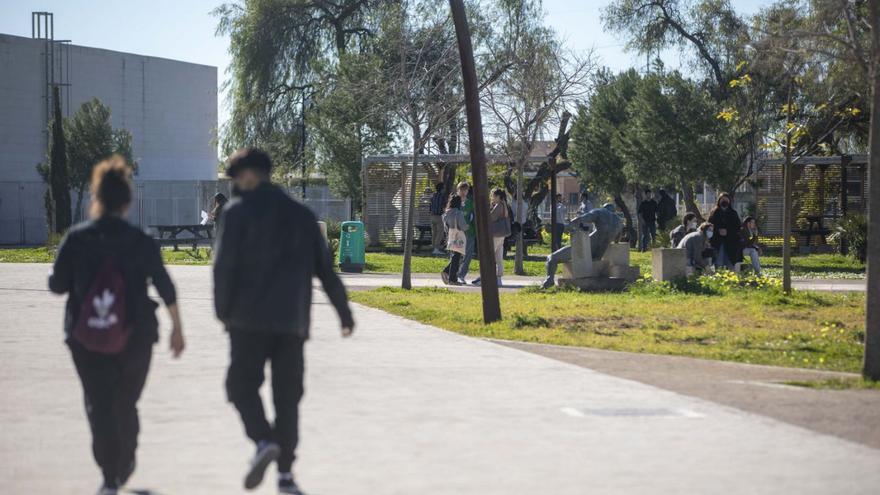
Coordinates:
853	230
713	284
334	230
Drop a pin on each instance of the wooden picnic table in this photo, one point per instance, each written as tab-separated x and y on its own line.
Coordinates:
170	235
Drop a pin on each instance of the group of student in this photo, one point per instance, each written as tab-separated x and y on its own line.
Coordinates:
723	241
268	249
654	212
460	232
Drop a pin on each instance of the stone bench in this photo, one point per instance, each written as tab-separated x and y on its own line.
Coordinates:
668	264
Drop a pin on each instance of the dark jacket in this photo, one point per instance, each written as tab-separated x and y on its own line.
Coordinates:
648	211
82	253
747	240
729	220
268	249
499	221
666	210
677	234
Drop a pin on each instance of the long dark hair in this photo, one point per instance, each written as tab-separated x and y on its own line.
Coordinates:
454	202
721	197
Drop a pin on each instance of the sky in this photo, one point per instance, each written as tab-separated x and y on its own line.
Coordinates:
185	29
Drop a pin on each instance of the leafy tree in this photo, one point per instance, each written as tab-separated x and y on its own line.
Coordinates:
821	47
709	29
285	55
671	136
714	40
594	148
91	138
349	124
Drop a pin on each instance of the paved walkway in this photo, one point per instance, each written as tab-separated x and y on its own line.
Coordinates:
850	414
402	408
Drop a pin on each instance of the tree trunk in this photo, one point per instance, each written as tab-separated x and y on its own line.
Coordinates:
406	281
520	244
786	202
871	368
449	172
630	229
59	181
690	201
489	284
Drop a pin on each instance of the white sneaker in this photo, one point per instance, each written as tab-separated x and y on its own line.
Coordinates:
438	252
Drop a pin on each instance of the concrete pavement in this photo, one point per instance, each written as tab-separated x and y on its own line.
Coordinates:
850	414
402	408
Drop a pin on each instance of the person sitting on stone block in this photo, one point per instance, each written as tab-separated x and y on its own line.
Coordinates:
607	227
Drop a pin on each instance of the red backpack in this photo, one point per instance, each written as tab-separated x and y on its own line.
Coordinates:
102	325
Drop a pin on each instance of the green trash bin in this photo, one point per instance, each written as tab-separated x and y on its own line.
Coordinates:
351	247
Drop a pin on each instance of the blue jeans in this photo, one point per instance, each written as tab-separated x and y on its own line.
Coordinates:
752	253
722	260
468	256
648	229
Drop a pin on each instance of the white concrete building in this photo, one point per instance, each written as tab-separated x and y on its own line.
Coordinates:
169	107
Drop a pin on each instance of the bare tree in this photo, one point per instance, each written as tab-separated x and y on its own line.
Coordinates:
529	98
420	82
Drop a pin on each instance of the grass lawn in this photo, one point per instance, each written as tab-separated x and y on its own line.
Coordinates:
811	266
27	255
762	326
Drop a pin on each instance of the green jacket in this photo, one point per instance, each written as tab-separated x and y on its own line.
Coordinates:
468	210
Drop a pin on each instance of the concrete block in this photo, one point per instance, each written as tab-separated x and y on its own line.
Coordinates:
617	254
581	254
628	273
597	269
668	263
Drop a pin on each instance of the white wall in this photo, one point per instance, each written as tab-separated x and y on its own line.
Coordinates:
169	107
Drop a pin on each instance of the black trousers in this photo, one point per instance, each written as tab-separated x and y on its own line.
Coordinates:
112	385
453	266
249	352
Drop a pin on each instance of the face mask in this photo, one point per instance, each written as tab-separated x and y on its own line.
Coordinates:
709	234
692	226
725	205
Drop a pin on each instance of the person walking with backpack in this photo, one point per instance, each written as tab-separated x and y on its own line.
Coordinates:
268	250
110	324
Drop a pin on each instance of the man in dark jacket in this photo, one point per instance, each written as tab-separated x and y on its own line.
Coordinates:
666	209
268	249
647	220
